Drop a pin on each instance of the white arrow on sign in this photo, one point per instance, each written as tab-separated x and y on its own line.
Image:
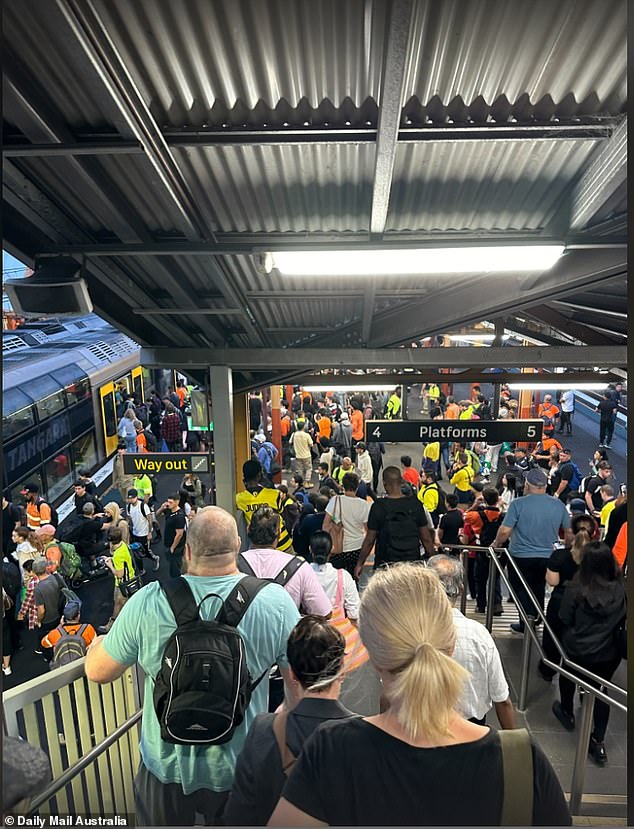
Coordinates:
199	463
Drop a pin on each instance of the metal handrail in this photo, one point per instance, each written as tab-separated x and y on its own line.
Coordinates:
493	552
84	762
591	692
528	625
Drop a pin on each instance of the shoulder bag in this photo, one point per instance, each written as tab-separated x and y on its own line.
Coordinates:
356	654
129	585
517	770
336	528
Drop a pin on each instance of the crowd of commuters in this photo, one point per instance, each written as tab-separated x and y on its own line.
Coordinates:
301	549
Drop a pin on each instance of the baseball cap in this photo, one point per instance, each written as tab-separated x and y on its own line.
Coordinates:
567	451
536	477
344	416
71	609
132	493
29	488
45	529
260	437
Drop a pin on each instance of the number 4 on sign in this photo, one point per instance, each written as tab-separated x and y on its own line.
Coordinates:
377	432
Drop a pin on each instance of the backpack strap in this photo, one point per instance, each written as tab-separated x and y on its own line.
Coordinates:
517	769
238	601
279	731
181	601
245	567
288	571
339	596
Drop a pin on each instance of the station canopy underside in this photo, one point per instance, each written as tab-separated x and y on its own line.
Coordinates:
170	147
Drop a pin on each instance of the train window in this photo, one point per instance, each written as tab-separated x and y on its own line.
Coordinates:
109	415
50	395
76	383
58	474
17	413
15	493
84	452
50	405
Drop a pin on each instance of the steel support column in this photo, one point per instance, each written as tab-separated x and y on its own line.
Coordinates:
221	388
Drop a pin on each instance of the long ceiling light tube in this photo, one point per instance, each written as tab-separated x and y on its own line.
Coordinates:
500	259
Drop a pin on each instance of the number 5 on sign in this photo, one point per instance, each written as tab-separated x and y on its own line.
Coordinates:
530	432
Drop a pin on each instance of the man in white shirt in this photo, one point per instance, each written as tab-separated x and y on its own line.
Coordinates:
567	403
140	515
301	443
352	513
364	464
475	650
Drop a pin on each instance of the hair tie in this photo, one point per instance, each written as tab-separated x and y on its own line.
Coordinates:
420	647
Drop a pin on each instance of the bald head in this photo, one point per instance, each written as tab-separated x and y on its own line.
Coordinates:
212	538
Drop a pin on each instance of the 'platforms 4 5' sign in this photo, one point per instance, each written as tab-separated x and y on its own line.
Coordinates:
428	431
166	463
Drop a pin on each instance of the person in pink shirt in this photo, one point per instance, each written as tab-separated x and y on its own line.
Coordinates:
264	561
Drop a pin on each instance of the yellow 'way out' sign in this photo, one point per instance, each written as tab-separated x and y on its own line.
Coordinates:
166	463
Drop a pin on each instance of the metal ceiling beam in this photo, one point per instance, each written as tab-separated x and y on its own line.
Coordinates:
177	311
395	60
318	134
91	35
611	324
72	148
495	295
356	381
256	359
232	244
607	170
599	306
549	316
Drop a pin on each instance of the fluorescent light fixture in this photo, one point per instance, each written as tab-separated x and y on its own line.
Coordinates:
557	385
513	258
369	387
475	338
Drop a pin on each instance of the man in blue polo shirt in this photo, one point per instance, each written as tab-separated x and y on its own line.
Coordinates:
174	782
532	524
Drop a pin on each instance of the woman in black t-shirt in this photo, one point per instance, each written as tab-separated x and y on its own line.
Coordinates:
403	767
562	566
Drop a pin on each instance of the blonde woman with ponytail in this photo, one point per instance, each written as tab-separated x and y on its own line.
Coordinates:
562	567
419	763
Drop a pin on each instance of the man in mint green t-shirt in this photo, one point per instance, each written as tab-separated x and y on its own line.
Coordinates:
176	781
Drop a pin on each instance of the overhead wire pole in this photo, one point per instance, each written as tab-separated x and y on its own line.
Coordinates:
390	107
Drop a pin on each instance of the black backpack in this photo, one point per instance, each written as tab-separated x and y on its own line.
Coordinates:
489	528
204	687
283	577
401	531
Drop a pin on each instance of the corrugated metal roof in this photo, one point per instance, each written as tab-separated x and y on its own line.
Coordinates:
482	185
283	188
273	61
515	48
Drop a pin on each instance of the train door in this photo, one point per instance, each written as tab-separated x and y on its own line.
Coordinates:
137	384
109	418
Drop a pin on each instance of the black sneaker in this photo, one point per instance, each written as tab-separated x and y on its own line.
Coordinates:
498	610
517	627
567	720
545	673
596	750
